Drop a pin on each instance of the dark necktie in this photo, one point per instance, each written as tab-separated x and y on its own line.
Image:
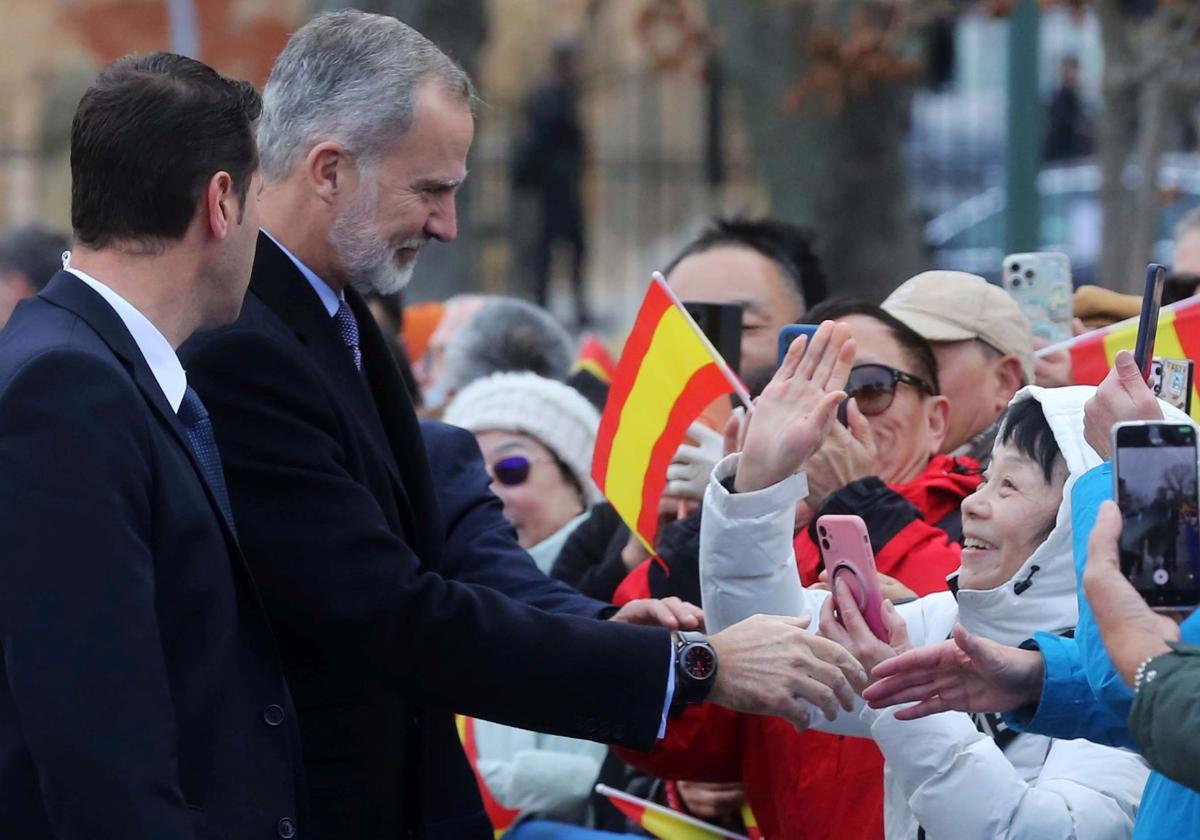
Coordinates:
348	329
198	427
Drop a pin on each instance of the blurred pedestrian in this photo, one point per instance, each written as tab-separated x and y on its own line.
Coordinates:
549	161
29	256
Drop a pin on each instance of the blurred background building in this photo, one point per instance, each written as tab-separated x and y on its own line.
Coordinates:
906	133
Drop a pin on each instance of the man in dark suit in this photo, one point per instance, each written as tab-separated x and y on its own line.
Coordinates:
364	139
142	694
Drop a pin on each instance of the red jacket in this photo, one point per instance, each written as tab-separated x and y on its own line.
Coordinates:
814	786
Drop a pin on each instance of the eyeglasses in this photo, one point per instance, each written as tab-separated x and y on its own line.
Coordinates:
512	470
873	386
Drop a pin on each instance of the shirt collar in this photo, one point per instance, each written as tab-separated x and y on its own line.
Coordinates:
329	298
155	348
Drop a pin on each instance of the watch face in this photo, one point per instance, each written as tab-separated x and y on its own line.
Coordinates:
698	661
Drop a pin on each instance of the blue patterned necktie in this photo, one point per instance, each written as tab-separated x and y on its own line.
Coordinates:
199	430
348	329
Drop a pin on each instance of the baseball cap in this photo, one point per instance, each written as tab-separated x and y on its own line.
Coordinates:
956	306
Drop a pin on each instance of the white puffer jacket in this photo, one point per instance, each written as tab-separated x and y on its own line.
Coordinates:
943	773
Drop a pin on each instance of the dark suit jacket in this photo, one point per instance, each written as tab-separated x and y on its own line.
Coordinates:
142	694
342	527
481	546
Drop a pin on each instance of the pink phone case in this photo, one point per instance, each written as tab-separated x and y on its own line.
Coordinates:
846	550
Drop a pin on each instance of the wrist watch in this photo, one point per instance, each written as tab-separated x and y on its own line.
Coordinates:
695	669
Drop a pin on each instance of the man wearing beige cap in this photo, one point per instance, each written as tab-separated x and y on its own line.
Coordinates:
984	349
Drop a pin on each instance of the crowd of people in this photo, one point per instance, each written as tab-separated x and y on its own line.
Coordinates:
283	559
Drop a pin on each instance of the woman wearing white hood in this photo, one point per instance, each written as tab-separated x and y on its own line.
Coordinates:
952	775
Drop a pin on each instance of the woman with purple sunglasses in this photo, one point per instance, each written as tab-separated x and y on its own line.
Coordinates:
537	437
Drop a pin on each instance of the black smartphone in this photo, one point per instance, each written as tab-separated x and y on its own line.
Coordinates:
1143	351
721	323
1155	483
789	334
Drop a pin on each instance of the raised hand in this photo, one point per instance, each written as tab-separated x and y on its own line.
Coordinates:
1123	395
770	665
966	674
794	410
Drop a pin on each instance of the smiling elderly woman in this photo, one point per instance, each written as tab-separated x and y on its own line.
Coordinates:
952	775
537	437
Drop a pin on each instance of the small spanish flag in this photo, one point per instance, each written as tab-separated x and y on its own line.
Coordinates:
668	374
1094	353
661	821
595	359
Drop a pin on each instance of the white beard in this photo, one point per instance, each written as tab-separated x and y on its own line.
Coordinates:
368	261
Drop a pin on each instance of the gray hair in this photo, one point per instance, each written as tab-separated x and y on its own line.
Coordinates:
350	77
1189	223
507	335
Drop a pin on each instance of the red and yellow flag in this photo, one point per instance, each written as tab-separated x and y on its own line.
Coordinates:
595	359
1093	353
668	374
502	818
661	821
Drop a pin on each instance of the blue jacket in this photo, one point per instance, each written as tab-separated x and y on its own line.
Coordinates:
1083	696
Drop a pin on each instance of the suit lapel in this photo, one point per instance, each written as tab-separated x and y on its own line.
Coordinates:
399	419
280	285
69	292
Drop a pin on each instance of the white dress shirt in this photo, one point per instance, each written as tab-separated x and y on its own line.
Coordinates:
156	350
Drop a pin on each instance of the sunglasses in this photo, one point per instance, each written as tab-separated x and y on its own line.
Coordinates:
512	470
873	386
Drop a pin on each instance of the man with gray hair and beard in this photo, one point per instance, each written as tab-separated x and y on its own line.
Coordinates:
389	618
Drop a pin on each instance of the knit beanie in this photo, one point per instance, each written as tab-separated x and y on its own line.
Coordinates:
552	413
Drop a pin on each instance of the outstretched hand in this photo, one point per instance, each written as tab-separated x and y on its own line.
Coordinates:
966	674
770	665
793	412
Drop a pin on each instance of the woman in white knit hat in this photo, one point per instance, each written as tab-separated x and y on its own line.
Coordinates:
537	437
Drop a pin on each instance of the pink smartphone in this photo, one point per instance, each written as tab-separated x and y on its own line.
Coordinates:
846	550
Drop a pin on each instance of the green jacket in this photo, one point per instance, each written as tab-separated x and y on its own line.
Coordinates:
1165	719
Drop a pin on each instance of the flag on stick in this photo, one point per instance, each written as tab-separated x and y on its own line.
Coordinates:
1093	353
668	374
662	822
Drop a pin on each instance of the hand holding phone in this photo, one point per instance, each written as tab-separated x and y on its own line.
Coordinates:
1155	485
846	550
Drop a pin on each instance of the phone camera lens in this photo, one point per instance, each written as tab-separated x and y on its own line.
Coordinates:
1016	282
825	544
1016	267
821	530
1029	273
